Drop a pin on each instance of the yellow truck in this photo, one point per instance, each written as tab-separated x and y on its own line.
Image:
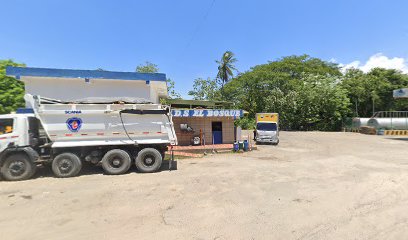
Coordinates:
267	128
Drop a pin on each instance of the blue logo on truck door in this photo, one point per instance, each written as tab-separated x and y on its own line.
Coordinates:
74	124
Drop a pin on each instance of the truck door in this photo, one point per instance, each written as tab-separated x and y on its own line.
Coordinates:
6	132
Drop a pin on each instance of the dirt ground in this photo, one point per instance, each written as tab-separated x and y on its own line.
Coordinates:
314	185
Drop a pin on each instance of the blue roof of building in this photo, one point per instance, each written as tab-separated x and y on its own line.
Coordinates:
91	74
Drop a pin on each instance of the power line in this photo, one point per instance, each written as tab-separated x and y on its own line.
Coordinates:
200	24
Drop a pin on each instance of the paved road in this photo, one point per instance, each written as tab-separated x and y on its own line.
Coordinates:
312	186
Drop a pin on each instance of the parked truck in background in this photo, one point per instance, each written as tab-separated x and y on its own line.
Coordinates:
113	133
267	128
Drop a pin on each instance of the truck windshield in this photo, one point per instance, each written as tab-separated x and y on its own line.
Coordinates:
6	125
266	126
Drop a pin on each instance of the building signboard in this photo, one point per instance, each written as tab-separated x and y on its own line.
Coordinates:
207	113
401	93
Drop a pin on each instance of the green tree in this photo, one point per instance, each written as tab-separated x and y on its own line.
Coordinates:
322	104
373	90
252	88
172	90
205	89
356	82
147	67
226	68
303	90
11	90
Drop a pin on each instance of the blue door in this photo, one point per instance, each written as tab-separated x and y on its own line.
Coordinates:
217	132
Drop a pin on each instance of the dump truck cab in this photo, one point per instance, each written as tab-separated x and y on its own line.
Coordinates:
14	131
267	128
19	137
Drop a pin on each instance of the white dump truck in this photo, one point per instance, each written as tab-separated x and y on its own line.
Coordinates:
113	133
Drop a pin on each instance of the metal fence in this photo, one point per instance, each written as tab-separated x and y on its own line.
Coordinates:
390	114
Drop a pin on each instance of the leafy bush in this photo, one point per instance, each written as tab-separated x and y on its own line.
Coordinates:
245	123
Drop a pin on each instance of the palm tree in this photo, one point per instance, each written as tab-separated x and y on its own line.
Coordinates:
226	68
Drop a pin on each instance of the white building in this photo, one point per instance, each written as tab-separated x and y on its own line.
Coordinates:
68	84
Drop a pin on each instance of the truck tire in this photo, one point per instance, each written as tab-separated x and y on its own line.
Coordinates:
148	160
116	161
66	165
17	167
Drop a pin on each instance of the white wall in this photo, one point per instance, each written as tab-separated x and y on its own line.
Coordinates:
157	90
76	88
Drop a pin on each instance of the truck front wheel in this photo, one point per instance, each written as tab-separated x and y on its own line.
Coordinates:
66	165
116	161
17	167
148	160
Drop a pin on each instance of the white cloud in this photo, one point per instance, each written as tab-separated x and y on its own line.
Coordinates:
333	60
378	60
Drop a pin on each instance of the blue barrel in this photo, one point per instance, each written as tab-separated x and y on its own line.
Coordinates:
235	147
246	145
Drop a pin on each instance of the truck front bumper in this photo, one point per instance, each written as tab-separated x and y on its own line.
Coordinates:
267	140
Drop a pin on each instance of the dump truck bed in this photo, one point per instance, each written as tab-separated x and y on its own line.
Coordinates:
92	124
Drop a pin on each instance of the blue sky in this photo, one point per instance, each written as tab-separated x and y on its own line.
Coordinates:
186	37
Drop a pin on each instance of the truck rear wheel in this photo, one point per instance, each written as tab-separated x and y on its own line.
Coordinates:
17	167
116	161
66	165
148	160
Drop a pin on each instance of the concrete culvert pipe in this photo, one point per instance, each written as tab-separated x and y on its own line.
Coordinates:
357	123
389	123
